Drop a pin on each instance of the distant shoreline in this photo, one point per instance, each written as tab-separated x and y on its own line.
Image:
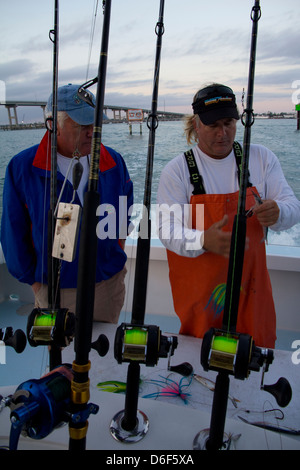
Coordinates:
41	125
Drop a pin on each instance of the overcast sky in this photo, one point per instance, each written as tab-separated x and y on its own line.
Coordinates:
203	41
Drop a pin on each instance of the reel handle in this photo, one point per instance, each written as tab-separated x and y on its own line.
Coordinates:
101	345
185	369
281	390
16	340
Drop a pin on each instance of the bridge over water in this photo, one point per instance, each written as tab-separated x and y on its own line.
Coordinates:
112	113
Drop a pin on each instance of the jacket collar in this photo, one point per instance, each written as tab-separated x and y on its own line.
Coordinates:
42	157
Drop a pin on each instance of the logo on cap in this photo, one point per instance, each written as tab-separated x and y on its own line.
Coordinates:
217	100
76	98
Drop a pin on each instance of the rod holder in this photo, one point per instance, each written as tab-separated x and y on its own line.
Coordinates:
137	344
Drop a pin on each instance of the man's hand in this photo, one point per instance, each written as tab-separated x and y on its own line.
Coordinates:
267	213
216	240
36	287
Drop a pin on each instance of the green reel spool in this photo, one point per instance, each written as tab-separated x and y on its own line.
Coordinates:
45	319
226	344
136	336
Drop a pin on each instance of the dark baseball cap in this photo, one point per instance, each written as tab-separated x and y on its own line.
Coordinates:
215	102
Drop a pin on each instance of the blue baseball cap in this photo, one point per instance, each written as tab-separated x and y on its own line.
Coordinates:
68	100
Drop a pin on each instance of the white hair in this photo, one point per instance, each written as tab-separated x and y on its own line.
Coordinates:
61	117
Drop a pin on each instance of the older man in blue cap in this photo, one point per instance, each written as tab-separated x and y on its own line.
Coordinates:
26	200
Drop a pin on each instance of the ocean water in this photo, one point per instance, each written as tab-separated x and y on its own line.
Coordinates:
280	135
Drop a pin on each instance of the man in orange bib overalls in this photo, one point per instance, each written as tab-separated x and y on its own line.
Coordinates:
197	201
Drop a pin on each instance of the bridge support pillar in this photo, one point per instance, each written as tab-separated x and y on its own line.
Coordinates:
43	108
13	119
117	114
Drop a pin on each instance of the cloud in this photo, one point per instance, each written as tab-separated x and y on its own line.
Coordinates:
197	47
280	46
283	77
16	68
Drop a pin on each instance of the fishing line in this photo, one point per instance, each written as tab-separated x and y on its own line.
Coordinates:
265	430
64	184
77	170
92	36
129	278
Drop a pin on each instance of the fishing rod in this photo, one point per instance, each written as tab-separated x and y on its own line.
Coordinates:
87	264
38	406
47	326
227	351
215	439
237	249
144	239
53	263
53	326
53	291
136	342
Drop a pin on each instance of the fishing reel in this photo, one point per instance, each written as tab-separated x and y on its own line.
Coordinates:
236	354
142	343
137	344
231	353
50	327
16	340
40	406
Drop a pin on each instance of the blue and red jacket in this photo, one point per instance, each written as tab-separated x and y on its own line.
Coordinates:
26	201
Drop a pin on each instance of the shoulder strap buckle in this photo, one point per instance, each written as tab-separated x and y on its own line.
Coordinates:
195	177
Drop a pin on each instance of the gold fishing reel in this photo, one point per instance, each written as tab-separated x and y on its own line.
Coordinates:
50	326
234	353
142	343
237	355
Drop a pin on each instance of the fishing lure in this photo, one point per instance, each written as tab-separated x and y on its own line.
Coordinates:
113	386
171	388
271	427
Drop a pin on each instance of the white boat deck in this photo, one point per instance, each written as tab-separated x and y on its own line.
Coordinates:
175	421
165	415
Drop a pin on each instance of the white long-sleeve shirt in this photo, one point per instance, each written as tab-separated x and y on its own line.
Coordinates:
219	177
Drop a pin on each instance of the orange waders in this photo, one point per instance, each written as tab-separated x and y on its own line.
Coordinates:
198	283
